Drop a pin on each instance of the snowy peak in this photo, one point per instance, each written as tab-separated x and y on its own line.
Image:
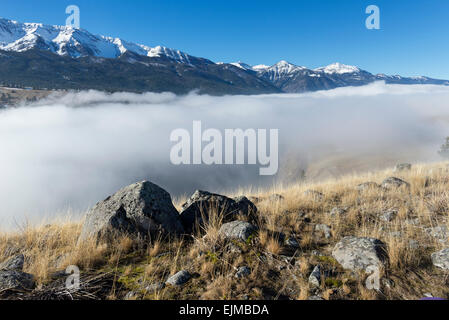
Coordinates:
338	68
279	71
286	67
76	43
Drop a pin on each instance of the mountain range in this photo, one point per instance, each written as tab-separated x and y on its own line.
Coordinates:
58	57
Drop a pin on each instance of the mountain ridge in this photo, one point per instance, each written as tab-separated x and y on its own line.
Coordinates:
69	52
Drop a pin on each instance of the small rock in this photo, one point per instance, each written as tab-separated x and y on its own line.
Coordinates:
440	259
396	234
180	278
315	277
238	230
315	298
131	295
15	280
403	167
316	253
394	183
387	283
243	272
367	186
154	287
13	264
441	233
388	216
337	212
292	242
324	229
413	221
356	253
413	244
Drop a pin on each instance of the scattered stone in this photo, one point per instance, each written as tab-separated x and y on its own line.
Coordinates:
131	295
13	264
367	186
356	253
337	212
394	183
403	167
292	242
413	221
243	272
440	259
238	230
396	234
441	233
201	203
413	244
315	298
316	253
388	215
180	278
315	277
387	283
154	287
15	280
325	229
314	194
142	208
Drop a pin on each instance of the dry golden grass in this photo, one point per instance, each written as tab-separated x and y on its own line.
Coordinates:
276	272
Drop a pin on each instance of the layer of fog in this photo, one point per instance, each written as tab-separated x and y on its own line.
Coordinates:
72	151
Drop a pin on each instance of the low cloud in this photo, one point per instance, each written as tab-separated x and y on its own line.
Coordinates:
71	151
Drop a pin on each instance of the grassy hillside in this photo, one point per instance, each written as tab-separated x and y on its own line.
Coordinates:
278	269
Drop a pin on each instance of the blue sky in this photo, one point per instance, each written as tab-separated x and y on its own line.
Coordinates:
413	40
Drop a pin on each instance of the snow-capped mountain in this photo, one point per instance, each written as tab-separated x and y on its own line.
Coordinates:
76	43
59	57
338	68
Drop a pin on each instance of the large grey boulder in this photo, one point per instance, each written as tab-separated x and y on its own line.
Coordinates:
440	259
142	208
237	230
356	253
201	204
13	264
394	183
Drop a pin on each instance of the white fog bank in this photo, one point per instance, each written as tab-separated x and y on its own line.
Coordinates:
72	151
